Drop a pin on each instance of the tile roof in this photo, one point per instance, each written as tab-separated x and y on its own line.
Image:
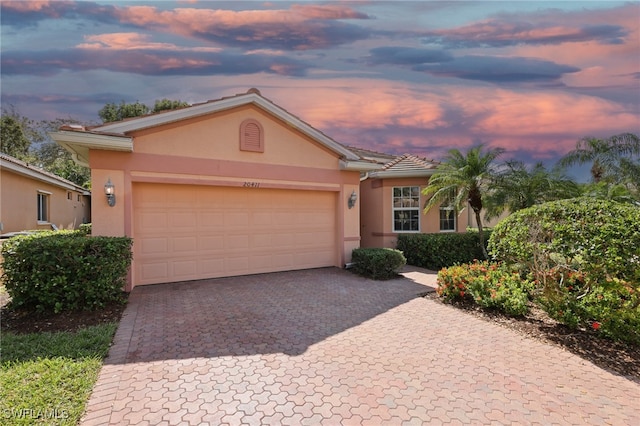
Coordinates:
407	165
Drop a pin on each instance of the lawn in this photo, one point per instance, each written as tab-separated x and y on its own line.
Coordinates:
47	377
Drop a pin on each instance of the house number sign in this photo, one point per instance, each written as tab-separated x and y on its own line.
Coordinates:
251	185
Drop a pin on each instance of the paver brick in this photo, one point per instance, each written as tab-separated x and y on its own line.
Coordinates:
328	347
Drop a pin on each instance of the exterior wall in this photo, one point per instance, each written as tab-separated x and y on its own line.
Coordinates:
18	210
206	151
377	213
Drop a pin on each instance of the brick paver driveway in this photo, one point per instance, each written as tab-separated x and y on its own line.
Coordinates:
328	347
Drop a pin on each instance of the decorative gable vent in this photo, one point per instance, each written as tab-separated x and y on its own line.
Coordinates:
251	136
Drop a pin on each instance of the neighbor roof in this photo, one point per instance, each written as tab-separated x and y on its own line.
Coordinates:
8	162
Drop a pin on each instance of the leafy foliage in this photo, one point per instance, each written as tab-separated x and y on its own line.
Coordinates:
167	104
435	251
584	256
28	140
115	112
462	179
605	155
516	188
490	286
65	270
378	263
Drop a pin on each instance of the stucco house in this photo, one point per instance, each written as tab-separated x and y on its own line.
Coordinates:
239	186
31	198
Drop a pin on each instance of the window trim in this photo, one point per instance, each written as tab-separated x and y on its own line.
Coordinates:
455	219
46	196
394	209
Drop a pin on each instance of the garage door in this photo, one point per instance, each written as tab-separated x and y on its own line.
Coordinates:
186	232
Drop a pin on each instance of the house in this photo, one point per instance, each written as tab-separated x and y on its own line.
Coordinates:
392	203
31	198
229	187
240	186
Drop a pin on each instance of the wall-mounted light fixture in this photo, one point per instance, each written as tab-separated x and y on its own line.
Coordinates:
352	199
110	192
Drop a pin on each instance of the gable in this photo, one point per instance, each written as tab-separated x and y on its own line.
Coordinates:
217	136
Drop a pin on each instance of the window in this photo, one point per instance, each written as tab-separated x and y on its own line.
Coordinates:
251	136
406	209
43	207
69	195
447	219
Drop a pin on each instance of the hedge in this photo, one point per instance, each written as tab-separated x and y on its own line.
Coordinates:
437	251
65	270
377	263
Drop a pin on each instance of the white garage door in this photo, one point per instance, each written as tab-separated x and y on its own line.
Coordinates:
186	232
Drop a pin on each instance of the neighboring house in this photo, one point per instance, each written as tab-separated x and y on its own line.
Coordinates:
230	187
241	186
31	198
393	203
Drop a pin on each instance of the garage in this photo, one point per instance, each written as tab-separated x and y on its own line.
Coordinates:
188	232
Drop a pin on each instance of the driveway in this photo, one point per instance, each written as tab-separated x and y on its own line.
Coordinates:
328	347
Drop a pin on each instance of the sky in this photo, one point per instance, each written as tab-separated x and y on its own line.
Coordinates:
417	77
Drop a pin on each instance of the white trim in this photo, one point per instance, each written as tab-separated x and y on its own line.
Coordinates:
359	166
146	122
79	143
394	209
455	220
383	174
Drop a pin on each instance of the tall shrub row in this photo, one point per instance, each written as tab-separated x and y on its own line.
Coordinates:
65	270
436	251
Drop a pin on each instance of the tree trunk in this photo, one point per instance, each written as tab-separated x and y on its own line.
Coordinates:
481	234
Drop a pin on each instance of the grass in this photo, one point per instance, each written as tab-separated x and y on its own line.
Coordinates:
47	378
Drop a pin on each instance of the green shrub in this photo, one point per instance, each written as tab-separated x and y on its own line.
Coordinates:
65	270
85	228
488	284
378	263
436	251
584	256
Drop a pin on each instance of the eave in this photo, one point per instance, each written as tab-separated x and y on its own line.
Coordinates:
78	143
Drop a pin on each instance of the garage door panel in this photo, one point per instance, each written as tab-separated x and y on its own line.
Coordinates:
229	231
185	244
152	246
183	220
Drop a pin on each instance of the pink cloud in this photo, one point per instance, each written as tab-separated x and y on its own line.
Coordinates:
132	41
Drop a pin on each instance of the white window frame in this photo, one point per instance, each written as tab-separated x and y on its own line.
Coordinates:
43	199
450	210
394	209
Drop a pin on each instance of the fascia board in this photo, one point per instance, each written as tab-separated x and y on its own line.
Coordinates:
359	166
401	174
35	174
79	143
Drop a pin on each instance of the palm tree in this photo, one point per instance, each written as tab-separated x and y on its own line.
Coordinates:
517	188
461	180
604	154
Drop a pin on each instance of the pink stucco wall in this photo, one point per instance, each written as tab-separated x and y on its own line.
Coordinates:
377	212
205	151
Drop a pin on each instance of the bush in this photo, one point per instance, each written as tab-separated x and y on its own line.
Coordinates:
584	256
65	270
489	285
436	251
85	228
378	263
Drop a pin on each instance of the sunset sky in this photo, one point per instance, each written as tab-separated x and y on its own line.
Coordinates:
399	77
